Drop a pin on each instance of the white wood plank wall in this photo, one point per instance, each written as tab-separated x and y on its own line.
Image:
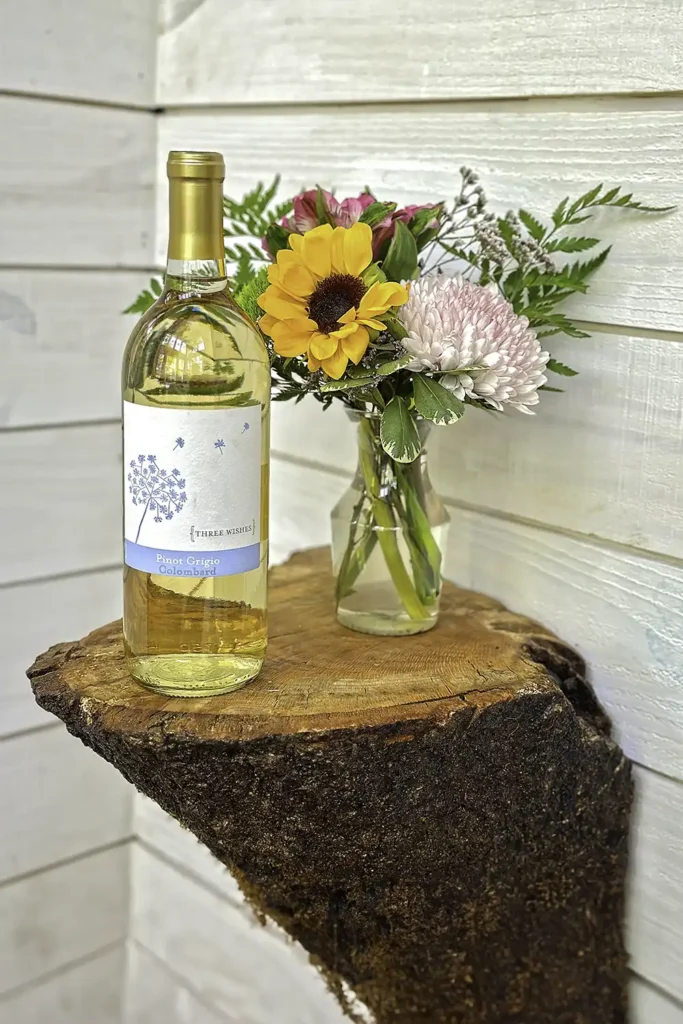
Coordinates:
76	236
573	517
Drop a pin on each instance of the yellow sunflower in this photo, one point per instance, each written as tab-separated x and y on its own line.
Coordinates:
317	303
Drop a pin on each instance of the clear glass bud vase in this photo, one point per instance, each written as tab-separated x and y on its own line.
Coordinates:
388	541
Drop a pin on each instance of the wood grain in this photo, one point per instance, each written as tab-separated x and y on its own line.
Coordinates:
656	902
158	991
528	154
378	732
347	680
62	337
83	993
60	915
249	974
61	500
156	995
602	459
71	802
313	51
34	615
651	1007
88	49
76	185
620	610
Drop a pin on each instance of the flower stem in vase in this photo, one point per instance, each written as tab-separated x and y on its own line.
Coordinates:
386	530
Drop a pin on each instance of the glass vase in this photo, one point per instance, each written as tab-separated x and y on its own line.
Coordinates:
388	541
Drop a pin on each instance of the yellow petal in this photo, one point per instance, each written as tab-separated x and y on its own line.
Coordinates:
296	280
295	243
285	256
381	297
273	274
322	346
267	322
377	325
292	337
336	364
316	250
345	331
357	248
349	316
313	363
279	304
355	346
337	251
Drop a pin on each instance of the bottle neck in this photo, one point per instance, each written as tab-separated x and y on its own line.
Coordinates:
196	251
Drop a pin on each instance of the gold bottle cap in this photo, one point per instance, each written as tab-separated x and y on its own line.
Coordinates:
196	164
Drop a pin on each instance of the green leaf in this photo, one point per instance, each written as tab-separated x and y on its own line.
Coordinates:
395	328
372	274
435	402
506	232
559	212
277	238
398	432
555	366
572	244
376	212
385	369
347	383
533	226
146	298
545	387
400	262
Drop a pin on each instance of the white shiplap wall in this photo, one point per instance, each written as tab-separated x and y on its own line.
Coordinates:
76	232
573	517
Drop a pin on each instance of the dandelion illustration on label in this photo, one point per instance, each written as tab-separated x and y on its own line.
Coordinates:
179	443
245	427
158	490
220	444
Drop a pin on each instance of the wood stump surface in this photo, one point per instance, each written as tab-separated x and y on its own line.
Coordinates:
441	820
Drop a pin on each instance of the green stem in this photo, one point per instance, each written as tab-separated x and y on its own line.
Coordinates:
357	552
418	528
386	529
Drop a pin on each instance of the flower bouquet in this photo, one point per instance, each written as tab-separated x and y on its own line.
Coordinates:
407	316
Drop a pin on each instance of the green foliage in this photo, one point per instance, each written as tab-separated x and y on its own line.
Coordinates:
247	296
537	266
435	402
252	215
555	366
398	432
146	298
400	262
376	213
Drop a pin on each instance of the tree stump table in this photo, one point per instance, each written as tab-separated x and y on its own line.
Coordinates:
440	820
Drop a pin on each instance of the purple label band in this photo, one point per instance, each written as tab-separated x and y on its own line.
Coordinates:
192	563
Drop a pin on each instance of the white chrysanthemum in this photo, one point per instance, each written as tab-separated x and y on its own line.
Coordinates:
454	325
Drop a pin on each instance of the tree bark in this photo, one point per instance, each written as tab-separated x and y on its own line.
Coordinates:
441	820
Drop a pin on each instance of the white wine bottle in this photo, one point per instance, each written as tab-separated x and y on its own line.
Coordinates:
196	406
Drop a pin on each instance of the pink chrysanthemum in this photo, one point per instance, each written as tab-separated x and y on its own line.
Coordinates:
473	335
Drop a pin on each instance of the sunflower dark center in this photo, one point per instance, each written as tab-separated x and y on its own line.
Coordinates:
332	297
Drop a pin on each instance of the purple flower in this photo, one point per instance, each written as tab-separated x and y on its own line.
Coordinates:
155	490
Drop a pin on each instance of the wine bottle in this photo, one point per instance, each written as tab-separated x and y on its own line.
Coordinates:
196	406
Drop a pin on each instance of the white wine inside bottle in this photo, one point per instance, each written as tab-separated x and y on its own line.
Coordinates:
196	405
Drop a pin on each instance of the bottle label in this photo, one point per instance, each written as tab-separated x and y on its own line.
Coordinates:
192	490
